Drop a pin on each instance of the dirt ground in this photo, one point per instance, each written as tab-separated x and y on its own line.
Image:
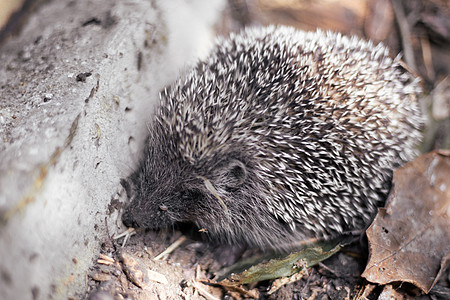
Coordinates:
335	278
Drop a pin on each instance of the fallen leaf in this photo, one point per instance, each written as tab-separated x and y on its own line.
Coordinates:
138	273
409	240
262	268
99	276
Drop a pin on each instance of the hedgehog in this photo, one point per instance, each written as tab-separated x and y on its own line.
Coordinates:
277	136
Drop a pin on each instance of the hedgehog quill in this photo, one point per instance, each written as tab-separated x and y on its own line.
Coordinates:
277	136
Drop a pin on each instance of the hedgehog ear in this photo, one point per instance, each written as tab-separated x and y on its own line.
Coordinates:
232	174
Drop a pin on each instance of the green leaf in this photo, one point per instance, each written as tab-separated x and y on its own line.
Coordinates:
273	265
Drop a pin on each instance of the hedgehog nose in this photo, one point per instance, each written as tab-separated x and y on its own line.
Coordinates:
128	220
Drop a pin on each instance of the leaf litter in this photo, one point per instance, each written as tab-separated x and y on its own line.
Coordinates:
409	240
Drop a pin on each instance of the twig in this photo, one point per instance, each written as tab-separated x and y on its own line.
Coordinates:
127	233
427	57
196	284
105	260
364	292
202	291
303	292
171	248
404	33
337	274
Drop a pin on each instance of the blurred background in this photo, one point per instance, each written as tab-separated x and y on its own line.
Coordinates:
418	29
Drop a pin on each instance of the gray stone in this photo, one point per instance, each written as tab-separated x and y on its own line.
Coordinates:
77	88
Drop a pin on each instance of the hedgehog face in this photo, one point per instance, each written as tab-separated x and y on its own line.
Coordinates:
154	208
179	192
159	198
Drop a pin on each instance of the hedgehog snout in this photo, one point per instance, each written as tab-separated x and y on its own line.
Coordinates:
156	217
128	220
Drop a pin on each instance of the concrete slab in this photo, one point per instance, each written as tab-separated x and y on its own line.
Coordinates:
77	89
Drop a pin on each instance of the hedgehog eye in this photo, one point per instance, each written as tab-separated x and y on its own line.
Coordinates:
234	174
191	195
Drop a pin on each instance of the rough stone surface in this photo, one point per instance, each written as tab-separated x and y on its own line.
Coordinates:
77	89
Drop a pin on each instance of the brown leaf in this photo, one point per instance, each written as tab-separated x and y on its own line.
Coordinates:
99	276
410	239
138	273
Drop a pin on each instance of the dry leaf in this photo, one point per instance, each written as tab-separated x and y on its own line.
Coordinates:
138	273
410	239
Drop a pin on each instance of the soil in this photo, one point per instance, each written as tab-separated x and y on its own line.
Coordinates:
195	259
